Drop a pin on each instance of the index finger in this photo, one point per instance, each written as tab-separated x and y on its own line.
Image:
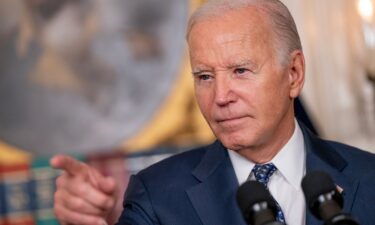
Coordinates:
67	163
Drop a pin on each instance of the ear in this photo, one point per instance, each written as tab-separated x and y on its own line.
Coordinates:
296	73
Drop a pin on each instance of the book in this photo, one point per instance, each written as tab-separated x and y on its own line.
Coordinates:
2	200
15	179
43	187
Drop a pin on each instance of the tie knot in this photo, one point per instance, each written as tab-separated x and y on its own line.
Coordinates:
263	172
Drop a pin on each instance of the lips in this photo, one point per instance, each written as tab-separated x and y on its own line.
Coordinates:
229	119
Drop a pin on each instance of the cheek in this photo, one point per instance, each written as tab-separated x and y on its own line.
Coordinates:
251	94
276	98
204	101
265	97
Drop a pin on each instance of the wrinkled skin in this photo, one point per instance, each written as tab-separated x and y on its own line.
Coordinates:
244	92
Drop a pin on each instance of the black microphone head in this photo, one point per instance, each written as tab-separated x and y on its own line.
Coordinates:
315	184
251	193
318	186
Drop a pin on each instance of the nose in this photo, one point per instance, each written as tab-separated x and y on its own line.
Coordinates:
224	92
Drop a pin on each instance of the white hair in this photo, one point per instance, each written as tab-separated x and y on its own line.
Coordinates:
285	34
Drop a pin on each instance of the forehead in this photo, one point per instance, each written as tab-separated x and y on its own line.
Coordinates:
236	33
251	16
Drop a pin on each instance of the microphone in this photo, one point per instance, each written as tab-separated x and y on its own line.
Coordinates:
256	204
323	199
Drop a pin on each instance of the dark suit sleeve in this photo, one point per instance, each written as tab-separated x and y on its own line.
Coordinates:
138	209
364	203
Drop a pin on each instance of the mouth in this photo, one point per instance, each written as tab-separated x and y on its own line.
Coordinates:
230	119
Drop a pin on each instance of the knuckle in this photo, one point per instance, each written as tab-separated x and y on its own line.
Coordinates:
76	204
58	213
57	197
106	202
81	190
60	181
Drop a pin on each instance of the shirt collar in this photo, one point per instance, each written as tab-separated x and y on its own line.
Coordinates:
290	160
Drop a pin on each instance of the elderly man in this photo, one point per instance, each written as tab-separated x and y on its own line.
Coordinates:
248	68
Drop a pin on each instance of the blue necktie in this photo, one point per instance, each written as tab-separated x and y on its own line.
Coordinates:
262	173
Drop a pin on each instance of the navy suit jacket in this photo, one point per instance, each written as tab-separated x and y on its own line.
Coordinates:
198	187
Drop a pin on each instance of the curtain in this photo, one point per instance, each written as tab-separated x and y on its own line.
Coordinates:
337	92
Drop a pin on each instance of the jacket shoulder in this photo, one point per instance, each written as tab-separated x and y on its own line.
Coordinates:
178	165
360	163
358	160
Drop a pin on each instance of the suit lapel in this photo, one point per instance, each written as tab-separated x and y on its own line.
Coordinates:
321	156
213	198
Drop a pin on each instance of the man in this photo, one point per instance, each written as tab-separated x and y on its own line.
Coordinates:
248	68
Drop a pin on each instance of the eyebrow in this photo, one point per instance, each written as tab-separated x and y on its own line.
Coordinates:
198	72
243	63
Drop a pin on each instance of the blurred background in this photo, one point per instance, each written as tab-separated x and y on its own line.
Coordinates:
109	82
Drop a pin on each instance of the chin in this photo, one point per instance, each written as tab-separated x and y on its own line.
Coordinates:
234	142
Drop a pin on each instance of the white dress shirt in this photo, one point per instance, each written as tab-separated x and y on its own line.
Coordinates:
285	183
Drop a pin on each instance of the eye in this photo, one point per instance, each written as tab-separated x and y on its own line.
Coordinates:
204	77
240	70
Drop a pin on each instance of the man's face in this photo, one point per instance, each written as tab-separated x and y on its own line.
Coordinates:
241	88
